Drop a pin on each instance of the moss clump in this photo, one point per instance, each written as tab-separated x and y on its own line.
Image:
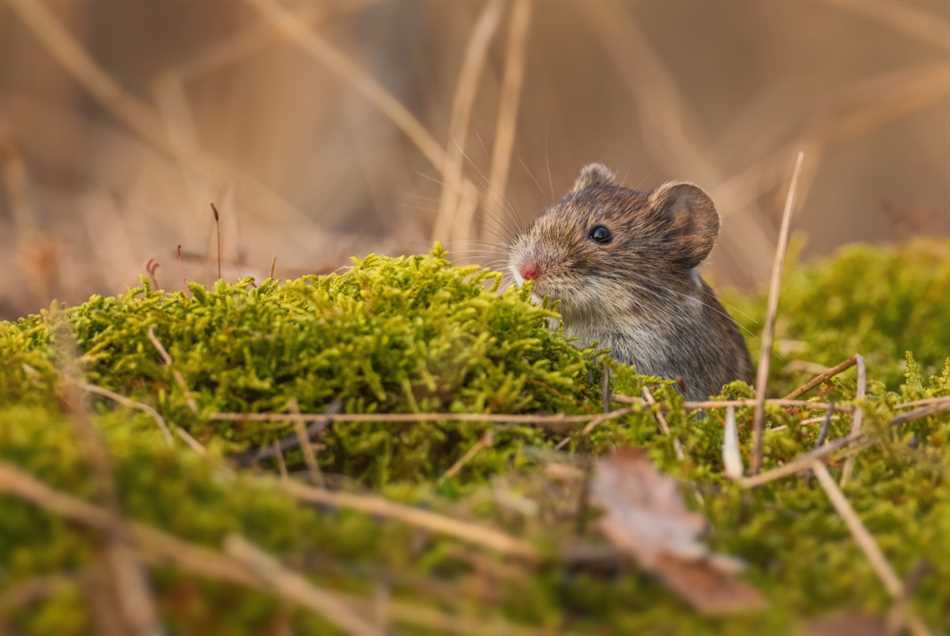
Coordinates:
879	302
388	335
413	334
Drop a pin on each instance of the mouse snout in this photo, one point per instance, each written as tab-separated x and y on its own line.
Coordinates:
529	270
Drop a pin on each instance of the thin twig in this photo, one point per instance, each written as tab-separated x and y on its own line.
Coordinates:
296	588
731	457
473	62
484	442
273	269
469	532
768	330
664	425
824	376
508	103
281	464
825	426
857	417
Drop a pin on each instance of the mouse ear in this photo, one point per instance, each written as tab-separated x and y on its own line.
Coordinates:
594	174
691	217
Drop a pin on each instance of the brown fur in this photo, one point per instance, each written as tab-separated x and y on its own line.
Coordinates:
639	295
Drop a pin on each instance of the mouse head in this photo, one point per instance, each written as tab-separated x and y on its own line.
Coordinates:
603	245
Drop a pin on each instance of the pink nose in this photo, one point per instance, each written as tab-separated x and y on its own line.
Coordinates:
530	271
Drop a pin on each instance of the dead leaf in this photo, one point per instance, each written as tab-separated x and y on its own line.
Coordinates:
845	622
646	517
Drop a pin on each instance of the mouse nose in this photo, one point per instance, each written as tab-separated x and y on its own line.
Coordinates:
529	270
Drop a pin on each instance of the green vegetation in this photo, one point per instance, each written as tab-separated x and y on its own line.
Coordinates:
415	334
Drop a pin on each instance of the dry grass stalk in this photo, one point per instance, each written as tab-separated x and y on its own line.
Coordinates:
167	359
857	417
281	464
664	425
348	71
129	402
472	533
506	124
924	402
486	441
731	457
134	113
868	545
902	17
556	421
594	423
291	585
465	93
128	578
232	49
824	376
303	438
721	404
768	330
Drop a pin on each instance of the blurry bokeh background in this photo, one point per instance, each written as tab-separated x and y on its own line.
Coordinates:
323	129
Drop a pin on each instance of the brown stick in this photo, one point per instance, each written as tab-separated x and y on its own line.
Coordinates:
857	417
465	93
721	404
469	532
296	588
506	124
822	377
768	330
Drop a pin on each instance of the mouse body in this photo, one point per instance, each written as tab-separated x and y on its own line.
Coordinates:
622	264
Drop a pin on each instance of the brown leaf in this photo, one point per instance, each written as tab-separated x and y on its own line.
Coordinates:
846	622
646	517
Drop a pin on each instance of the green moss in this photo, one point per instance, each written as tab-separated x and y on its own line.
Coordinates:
416	334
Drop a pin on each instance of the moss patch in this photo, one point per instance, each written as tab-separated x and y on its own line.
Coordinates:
417	334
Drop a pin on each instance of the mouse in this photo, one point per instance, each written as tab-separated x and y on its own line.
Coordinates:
622	266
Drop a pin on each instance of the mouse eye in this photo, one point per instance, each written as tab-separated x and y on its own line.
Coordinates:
600	234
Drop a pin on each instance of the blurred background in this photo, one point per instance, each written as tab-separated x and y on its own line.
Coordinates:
323	129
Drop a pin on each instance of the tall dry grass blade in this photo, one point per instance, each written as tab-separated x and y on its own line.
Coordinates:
664	425
857	417
506	124
768	330
902	17
348	71
465	93
295	587
242	45
866	542
471	533
134	113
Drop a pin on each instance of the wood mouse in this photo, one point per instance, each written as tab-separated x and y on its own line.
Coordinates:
623	263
